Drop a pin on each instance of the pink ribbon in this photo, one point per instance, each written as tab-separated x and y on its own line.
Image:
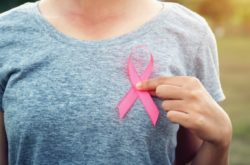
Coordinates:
129	99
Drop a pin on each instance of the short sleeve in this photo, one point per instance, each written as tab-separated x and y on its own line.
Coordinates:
206	66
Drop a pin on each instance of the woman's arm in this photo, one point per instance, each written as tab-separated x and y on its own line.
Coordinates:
190	105
210	153
3	142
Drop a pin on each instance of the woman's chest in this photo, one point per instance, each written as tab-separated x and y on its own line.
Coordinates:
77	88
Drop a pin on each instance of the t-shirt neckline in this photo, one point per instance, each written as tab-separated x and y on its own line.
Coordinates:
127	37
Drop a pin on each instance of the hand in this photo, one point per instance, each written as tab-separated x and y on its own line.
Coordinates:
190	105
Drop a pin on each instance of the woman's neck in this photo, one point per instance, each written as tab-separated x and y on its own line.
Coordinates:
98	19
97	10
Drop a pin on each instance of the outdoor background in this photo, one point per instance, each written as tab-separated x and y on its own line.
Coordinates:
230	20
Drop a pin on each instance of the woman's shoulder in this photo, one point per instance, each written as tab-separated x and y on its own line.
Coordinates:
17	17
183	14
17	24
184	19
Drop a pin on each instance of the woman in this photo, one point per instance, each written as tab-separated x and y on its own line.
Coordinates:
63	70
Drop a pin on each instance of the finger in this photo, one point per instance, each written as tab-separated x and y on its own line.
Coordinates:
171	92
176	105
179	117
151	84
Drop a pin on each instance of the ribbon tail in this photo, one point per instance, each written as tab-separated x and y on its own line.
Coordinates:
127	102
150	106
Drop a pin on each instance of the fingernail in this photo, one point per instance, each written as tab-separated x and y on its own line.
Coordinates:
138	85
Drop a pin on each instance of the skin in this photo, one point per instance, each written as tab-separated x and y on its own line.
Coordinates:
206	130
188	103
98	19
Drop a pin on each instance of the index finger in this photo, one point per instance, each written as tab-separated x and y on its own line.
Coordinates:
152	84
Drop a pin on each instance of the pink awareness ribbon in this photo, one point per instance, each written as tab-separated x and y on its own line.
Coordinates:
129	99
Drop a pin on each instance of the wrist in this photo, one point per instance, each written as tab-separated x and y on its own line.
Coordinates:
217	149
225	139
224	134
212	154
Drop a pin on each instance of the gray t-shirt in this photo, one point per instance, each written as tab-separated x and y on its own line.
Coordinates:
59	94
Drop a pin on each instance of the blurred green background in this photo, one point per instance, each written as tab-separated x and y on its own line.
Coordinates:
230	20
